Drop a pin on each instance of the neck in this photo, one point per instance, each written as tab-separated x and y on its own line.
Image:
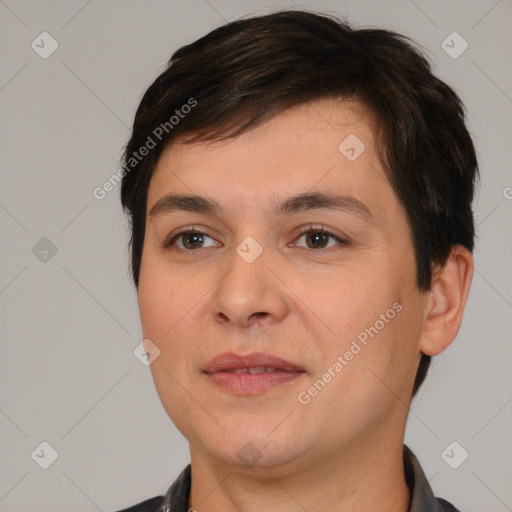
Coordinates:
359	479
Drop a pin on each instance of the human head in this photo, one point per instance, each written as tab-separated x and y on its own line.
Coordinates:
249	71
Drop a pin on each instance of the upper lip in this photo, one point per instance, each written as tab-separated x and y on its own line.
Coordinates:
232	361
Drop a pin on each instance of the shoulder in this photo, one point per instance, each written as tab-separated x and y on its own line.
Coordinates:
150	505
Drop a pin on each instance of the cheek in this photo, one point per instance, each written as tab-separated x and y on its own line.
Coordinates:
161	301
348	300
172	309
153	303
369	319
166	315
378	359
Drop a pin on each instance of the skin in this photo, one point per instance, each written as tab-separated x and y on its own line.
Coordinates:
343	449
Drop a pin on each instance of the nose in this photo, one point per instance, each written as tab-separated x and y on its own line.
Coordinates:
249	293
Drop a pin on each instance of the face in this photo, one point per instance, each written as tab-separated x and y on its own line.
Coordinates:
291	245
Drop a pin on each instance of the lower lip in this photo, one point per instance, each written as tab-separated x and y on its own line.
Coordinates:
252	383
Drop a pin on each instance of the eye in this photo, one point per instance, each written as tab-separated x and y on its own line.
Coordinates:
319	238
190	239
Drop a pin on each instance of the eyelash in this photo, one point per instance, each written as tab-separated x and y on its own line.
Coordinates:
170	243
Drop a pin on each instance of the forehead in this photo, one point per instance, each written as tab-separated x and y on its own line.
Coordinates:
327	145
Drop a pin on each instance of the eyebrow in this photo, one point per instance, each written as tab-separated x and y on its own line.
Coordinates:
294	204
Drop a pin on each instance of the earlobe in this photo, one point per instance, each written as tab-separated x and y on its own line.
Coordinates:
446	302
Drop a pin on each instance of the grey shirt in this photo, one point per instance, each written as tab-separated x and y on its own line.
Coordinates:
422	496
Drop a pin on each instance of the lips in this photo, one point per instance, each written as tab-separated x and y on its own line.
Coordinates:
251	374
251	363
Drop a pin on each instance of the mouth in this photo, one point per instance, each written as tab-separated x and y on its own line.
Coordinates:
252	371
250	374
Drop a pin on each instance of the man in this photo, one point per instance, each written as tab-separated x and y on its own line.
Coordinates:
300	198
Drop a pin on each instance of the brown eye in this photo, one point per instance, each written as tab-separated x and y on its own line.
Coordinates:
189	240
192	240
320	239
317	240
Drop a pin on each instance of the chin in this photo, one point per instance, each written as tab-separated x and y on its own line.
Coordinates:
252	449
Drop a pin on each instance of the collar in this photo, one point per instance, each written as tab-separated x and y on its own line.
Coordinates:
422	496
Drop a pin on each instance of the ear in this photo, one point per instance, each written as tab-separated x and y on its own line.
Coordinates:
446	301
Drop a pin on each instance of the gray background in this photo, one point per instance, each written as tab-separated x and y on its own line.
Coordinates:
69	324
